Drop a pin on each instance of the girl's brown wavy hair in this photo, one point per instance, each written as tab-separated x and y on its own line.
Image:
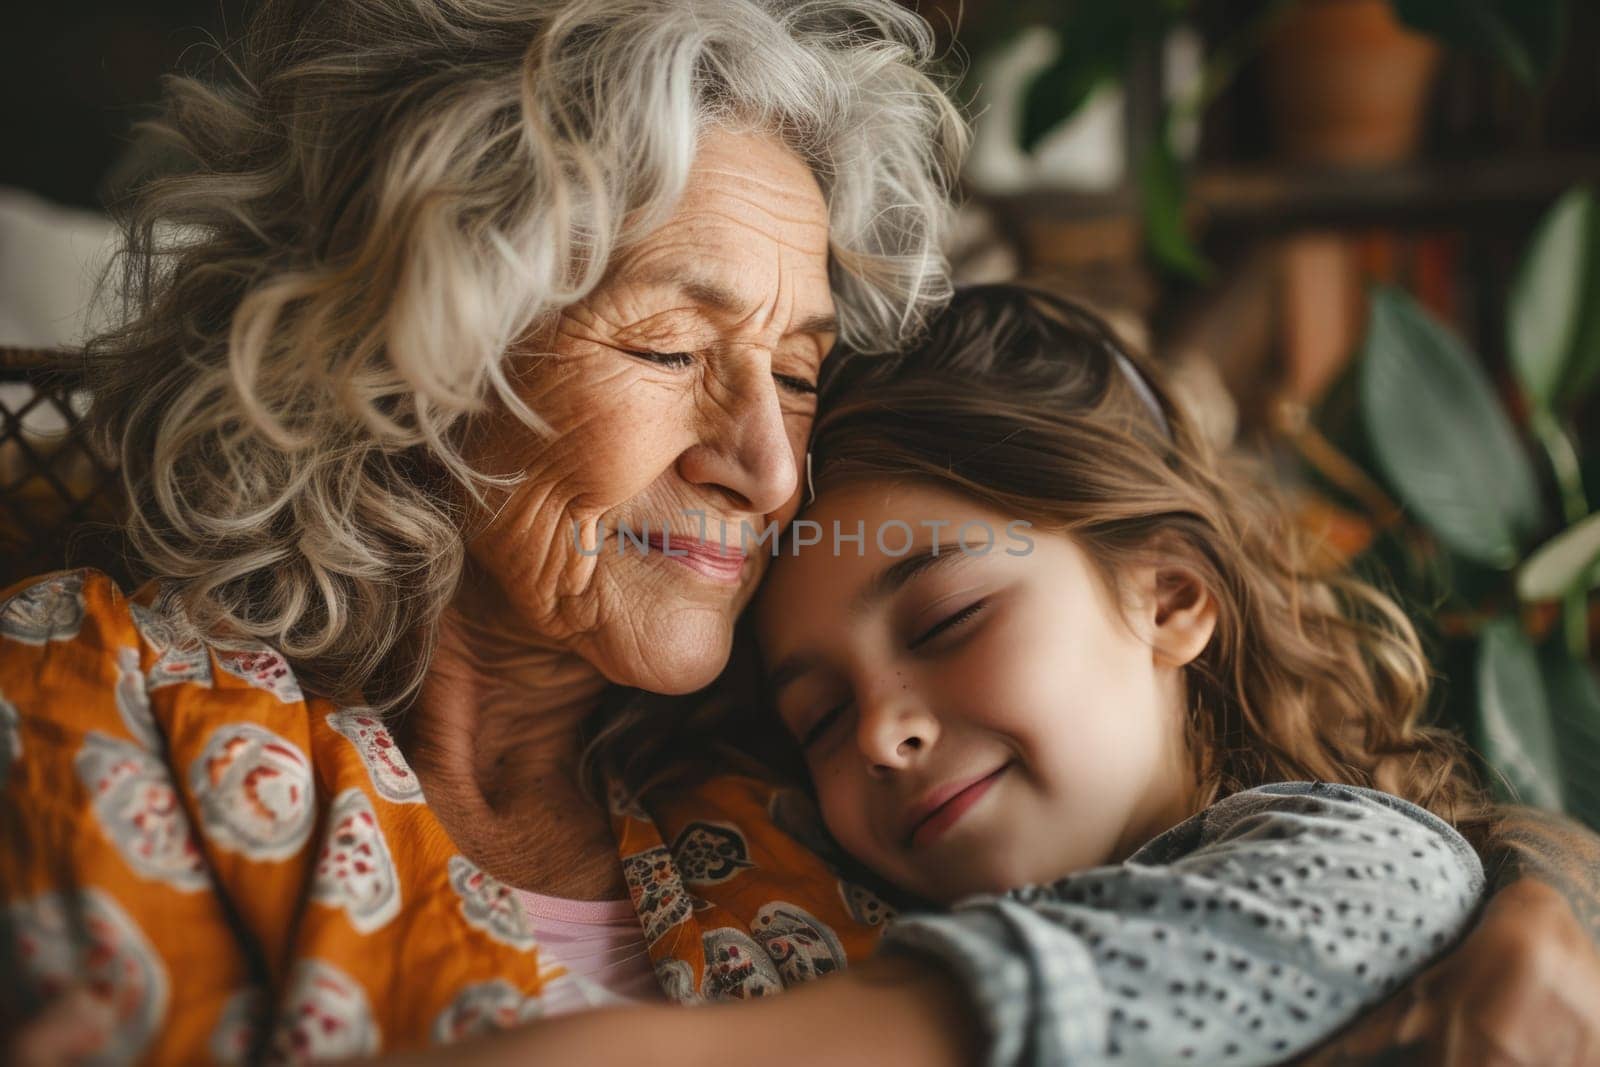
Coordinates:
1016	400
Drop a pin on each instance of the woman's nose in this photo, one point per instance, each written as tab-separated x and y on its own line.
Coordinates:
893	733
744	448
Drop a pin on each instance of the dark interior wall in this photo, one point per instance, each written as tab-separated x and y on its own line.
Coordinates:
76	75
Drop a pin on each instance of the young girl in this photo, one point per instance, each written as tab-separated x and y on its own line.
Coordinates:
1030	634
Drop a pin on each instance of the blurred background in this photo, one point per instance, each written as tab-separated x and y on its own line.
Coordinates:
1362	235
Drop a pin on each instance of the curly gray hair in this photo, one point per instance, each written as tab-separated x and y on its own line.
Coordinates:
381	200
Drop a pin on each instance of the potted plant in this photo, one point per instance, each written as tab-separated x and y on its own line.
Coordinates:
1506	580
1359	100
1346	82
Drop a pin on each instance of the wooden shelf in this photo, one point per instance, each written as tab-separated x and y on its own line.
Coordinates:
1273	197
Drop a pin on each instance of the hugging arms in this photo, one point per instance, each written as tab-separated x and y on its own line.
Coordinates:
582	268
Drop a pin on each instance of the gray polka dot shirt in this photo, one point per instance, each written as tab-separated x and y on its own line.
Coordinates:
1245	935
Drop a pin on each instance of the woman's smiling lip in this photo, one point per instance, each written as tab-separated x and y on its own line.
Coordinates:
944	807
720	563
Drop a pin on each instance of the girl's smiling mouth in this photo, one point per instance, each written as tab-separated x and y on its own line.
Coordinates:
943	807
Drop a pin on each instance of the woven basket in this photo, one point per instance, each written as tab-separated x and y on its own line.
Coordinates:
60	502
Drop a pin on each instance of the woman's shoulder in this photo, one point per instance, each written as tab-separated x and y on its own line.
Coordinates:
94	681
81	657
54	607
88	612
84	664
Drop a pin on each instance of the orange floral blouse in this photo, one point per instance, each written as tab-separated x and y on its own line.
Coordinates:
246	871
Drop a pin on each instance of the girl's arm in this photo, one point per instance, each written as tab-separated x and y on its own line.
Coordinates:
887	1012
1525	983
1247	935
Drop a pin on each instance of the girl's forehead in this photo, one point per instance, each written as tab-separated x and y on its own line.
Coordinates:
856	536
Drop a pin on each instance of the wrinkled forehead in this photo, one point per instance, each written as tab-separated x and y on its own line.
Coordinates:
750	230
756	179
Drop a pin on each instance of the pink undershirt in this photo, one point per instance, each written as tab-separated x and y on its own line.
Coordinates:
600	944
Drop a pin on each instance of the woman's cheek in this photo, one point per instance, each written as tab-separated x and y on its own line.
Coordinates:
617	454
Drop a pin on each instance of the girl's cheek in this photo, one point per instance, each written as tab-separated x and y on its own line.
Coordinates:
978	680
843	810
826	780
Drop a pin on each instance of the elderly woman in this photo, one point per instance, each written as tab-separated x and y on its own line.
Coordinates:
455	301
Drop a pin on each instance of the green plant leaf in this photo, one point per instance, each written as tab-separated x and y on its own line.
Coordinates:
1555	291
1513	729
1058	91
1097	45
1583	356
1162	194
1562	563
1573	697
1526	36
1440	437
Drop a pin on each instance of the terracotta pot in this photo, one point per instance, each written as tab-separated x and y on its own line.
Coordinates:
1347	83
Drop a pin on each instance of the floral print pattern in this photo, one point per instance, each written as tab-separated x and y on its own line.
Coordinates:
325	1016
49	610
133	701
264	669
140	811
10	739
213	811
116	964
707	853
657	891
489	905
391	777
354	870
801	947
181	656
255	792
483	1008
736	968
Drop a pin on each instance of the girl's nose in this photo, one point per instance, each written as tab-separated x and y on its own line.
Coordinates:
894	733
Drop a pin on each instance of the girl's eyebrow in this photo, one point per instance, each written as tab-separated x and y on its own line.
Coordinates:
894	577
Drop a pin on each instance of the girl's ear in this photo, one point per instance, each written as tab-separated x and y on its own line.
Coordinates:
1180	614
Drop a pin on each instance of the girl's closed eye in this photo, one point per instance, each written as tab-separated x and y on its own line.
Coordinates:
820	726
947	631
943	634
951	627
813	705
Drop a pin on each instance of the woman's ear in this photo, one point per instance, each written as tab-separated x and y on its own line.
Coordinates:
1180	614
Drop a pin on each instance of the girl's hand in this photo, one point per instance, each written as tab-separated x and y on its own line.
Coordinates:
1523	990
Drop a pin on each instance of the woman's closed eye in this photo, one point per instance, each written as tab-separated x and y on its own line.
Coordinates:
951	624
661	359
678	360
797	385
